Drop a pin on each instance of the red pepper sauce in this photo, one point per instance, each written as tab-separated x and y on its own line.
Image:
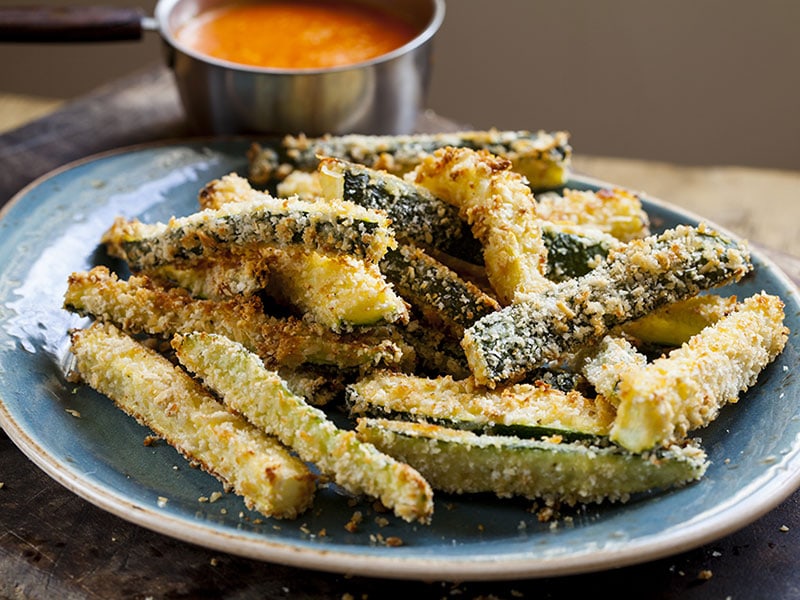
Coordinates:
295	35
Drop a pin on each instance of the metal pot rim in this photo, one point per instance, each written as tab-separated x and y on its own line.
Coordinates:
164	9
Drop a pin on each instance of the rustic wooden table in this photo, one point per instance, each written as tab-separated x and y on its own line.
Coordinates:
53	544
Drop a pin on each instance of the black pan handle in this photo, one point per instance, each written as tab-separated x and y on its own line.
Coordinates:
70	24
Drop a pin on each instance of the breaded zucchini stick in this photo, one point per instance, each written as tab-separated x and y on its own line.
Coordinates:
462	462
437	292
634	280
178	409
328	227
419	217
524	410
501	210
615	211
136	305
339	292
542	158
686	389
240	378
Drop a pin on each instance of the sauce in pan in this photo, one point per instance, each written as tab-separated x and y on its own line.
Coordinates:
295	35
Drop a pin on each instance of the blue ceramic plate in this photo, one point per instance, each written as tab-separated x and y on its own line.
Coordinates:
52	228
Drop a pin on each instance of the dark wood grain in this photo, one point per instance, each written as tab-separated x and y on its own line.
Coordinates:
53	544
69	24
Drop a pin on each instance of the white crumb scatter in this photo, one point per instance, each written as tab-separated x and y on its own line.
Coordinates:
162	501
215	496
783	528
74	413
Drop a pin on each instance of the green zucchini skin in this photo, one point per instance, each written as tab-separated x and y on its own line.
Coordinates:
574	251
337	228
641	276
434	290
420	217
426	219
461	462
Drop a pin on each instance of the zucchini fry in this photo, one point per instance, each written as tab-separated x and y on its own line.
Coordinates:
240	378
437	292
421	217
136	305
616	211
524	410
328	227
501	210
340	292
641	276
161	396
462	462
686	389
542	158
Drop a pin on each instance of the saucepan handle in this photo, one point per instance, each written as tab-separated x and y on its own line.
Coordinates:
70	24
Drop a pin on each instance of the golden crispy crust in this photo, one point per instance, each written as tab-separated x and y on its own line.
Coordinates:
146	386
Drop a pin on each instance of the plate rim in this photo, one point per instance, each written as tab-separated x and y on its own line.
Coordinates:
500	567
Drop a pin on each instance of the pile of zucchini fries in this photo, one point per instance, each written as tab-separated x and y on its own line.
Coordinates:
486	328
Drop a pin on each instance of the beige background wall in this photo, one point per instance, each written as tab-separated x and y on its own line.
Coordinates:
688	81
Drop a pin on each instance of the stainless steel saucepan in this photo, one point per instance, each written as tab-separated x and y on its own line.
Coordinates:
383	95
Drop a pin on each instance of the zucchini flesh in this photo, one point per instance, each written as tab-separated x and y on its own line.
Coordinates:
148	387
543	158
641	276
420	217
241	380
524	410
462	462
686	389
136	305
341	293
328	227
673	324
